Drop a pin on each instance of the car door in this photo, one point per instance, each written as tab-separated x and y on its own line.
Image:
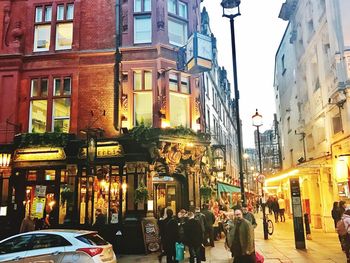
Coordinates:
14	249
47	248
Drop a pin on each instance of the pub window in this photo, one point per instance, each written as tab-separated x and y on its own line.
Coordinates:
143	99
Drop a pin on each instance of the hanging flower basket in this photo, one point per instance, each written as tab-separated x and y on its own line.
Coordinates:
205	192
141	194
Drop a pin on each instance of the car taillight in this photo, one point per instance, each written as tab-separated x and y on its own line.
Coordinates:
93	251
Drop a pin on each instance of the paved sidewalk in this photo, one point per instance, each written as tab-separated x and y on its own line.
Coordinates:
280	247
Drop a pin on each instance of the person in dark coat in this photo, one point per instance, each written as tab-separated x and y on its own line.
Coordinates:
193	237
342	207
210	219
161	220
171	234
336	213
276	209
100	222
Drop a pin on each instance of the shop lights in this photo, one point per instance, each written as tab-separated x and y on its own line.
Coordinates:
282	176
5	159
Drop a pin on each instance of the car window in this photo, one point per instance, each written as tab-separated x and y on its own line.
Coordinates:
92	239
49	240
16	244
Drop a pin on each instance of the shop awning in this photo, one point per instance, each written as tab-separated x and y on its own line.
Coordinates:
222	187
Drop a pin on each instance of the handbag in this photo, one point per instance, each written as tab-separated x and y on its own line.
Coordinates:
179	251
202	253
259	257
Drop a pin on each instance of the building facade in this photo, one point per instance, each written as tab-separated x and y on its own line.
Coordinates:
311	87
86	89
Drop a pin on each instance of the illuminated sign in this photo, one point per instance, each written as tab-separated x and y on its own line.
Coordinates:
5	159
39	154
104	151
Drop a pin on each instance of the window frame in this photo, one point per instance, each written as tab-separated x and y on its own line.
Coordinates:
180	77
143	89
149	39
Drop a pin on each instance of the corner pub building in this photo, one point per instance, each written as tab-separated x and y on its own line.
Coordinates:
76	111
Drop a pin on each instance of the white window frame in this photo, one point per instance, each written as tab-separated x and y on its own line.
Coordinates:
145	18
184	31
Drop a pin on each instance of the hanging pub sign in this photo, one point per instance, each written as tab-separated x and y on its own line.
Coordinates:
199	53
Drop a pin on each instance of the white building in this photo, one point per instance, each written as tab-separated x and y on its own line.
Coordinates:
312	81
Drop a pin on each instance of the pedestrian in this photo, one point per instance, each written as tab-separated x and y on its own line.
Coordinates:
194	237
248	215
210	219
181	220
345	239
202	221
240	239
161	219
275	209
342	207
100	221
269	204
282	208
336	213
27	224
171	233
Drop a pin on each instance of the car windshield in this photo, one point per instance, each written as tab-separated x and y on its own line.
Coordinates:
92	239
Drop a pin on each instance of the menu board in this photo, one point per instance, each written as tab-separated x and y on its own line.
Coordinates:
38	207
150	232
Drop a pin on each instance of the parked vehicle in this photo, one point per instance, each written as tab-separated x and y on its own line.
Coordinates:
57	245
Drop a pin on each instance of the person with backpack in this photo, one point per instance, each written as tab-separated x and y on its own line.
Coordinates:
202	221
343	230
171	234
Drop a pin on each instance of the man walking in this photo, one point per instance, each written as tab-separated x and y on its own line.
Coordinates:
240	239
248	216
210	219
193	237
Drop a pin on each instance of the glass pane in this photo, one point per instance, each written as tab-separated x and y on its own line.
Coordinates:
61	115
44	87
57	87
38	14
183	10
142	30
48	13
67	86
60	12
179	110
50	175
66	201
38	116
185	87
177	32
147	4
173	83
172	6
70	12
137	6
35	88
42	38
137	80
16	244
148	80
143	108
64	36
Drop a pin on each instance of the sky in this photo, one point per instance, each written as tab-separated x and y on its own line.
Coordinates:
258	33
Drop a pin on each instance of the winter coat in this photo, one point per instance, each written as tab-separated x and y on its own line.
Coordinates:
27	225
171	233
246	237
209	217
193	233
275	207
336	215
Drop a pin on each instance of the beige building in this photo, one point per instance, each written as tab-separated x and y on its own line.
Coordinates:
312	81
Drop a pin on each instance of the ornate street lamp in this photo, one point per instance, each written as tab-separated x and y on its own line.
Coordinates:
257	122
232	6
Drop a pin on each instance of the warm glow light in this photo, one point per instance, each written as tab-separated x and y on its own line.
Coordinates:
245	156
124	186
5	159
190	144
52	203
282	176
165	123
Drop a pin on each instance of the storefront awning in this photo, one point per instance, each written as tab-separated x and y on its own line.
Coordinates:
228	188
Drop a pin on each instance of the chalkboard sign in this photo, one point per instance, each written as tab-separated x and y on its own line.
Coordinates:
150	232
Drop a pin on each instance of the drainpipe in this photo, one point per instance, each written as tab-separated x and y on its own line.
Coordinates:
118	58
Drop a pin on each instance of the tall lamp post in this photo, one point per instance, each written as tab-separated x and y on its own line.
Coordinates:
232	5
257	122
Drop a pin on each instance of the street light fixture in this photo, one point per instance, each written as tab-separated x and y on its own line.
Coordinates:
231	5
257	122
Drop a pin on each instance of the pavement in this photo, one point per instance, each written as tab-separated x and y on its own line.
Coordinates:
280	247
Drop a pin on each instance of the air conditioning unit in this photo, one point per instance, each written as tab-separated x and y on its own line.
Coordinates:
41	44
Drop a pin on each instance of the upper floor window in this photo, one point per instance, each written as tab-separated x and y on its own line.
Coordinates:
143	100
177	8
54	95
142	6
142	29
177	31
62	26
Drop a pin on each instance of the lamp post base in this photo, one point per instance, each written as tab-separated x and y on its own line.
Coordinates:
265	226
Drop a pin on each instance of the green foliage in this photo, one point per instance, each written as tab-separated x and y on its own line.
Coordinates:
205	192
57	139
141	194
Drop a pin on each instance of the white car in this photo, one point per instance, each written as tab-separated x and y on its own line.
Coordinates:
57	246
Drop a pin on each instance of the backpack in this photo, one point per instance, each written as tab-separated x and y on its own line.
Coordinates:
341	229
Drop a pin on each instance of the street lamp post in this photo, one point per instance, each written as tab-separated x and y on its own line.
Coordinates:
257	122
232	5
